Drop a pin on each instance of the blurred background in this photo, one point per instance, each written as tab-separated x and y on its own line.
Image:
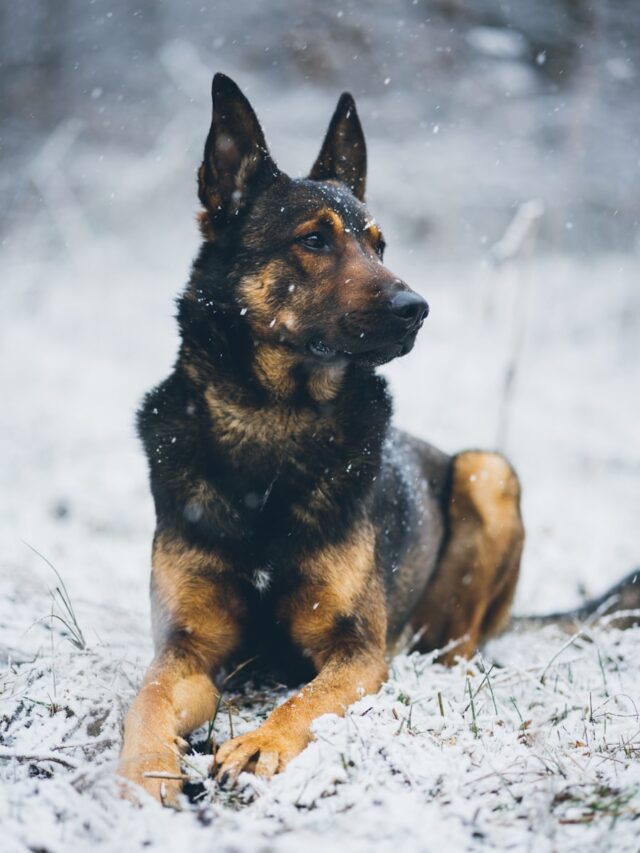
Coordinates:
504	156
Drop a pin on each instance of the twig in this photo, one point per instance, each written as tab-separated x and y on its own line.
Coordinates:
27	756
484	681
474	725
47	174
607	619
159	774
212	721
230	719
569	643
516	244
107	741
239	668
604	675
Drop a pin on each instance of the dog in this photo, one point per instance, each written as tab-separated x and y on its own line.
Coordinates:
293	522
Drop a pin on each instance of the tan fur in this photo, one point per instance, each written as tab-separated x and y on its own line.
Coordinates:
339	582
185	585
328	596
335	605
287	731
204	225
324	216
236	424
287	320
335	580
211	200
273	367
172	701
470	596
254	293
325	383
197	625
177	693
374	232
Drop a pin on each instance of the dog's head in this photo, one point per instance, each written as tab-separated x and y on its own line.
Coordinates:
307	268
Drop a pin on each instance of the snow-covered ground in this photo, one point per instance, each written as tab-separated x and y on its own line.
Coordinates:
546	756
533	746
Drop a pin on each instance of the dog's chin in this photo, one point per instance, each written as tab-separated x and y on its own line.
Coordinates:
323	353
377	357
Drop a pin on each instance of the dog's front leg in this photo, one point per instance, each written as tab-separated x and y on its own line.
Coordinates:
175	698
338	619
196	626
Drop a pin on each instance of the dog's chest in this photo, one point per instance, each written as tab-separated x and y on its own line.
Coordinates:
279	454
266	431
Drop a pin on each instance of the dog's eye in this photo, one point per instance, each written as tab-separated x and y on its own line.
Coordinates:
380	247
314	241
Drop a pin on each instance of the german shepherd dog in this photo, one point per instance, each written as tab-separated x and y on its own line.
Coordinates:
293	522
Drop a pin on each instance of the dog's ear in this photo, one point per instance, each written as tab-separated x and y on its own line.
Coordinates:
343	155
236	159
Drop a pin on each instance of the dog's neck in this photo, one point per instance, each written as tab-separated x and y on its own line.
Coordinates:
286	377
275	416
275	375
219	349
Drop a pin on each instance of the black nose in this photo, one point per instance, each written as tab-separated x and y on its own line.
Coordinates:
409	307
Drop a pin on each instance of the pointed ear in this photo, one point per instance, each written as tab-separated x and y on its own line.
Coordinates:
343	155
236	160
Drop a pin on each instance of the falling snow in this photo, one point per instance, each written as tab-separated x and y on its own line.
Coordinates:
534	744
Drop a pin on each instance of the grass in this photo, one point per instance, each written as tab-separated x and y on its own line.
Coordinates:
491	737
60	598
600	801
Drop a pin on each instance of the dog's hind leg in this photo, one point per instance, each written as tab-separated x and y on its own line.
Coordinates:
195	631
471	593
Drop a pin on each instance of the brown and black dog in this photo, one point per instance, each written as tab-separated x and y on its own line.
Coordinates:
292	521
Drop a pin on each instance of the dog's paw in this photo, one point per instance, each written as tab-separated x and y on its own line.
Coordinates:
158	776
265	751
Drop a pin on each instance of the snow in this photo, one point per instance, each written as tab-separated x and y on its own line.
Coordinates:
534	745
496	42
552	764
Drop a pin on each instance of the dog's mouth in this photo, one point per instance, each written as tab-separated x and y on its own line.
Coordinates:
321	351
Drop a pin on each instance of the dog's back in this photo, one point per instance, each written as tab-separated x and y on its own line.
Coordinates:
410	511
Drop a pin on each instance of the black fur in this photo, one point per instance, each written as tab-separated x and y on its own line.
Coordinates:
243	506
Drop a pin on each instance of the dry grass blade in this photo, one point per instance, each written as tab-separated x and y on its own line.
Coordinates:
70	621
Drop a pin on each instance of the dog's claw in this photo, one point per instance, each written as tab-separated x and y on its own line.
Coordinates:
263	751
182	745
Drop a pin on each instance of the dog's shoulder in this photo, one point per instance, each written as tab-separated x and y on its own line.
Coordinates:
172	425
169	414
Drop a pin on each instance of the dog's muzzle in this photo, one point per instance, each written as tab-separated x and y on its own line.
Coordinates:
410	308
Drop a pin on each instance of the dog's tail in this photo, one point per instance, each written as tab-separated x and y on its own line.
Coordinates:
618	607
